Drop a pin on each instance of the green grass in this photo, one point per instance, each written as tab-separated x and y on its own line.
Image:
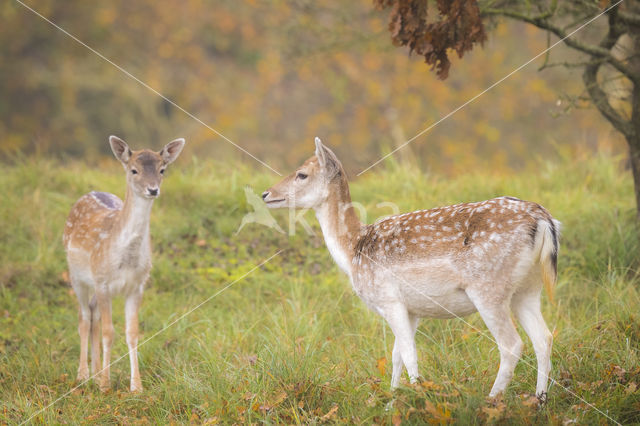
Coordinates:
291	343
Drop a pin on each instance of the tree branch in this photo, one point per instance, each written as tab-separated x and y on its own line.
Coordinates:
600	100
542	22
569	64
629	17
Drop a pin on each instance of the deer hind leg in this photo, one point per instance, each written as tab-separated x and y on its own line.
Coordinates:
497	317
84	324
526	306
104	305
404	348
95	336
132	306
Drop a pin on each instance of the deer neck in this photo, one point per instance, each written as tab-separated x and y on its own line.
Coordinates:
133	223
339	223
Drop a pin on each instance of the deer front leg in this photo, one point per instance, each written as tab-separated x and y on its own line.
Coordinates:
404	347
131	309
396	356
104	305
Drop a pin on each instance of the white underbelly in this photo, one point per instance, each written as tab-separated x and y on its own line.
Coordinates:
447	303
431	289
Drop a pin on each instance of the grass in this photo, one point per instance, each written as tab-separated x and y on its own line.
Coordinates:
290	342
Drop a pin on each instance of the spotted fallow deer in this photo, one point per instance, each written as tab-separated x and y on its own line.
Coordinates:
491	256
109	253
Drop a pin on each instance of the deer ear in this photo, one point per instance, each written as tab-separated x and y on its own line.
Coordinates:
321	153
328	160
120	149
171	150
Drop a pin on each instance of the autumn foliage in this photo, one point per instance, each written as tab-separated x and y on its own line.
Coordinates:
459	27
271	76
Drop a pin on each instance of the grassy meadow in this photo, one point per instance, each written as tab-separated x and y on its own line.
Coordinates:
291	342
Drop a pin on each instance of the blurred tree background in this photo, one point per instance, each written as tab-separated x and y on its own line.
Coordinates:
271	76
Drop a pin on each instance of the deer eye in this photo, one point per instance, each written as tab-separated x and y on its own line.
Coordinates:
134	172
301	176
161	171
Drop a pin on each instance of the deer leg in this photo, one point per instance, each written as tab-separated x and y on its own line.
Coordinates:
497	317
131	308
527	309
104	305
84	323
95	335
404	347
396	356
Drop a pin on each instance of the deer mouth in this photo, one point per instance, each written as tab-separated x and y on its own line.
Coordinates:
279	200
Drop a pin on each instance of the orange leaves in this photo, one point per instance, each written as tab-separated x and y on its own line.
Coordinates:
381	365
440	414
331	414
493	411
429	385
459	27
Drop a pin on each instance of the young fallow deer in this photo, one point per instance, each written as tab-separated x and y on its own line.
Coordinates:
109	253
491	256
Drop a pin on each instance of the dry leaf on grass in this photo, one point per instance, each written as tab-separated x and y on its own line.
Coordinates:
494	410
330	414
396	420
381	365
439	414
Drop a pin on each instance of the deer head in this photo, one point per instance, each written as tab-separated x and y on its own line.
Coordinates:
145	168
309	186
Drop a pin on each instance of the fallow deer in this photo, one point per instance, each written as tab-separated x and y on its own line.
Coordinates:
491	257
109	253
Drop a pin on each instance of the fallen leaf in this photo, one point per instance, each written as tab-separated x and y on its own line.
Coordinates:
330	414
631	388
440	413
201	243
494	411
381	365
270	405
530	401
396	420
429	385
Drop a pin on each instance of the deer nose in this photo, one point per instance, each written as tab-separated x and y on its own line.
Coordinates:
265	194
153	191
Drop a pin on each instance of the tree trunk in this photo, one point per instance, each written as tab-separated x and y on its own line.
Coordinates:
634	158
633	140
633	136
